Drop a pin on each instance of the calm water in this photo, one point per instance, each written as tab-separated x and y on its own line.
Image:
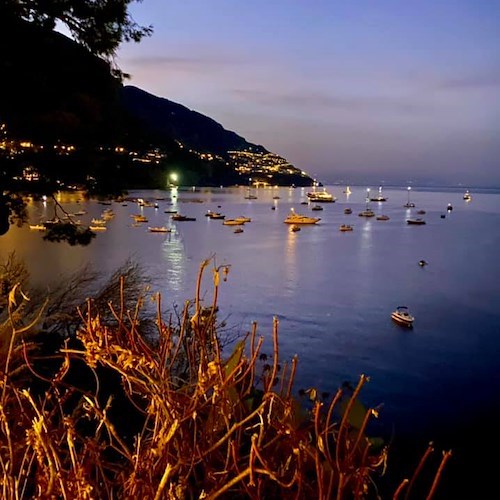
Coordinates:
333	292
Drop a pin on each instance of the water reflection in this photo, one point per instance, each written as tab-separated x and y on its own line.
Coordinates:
291	280
174	256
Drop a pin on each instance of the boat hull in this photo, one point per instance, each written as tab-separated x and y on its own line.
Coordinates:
405	321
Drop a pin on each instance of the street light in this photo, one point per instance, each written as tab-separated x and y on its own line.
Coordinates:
173	178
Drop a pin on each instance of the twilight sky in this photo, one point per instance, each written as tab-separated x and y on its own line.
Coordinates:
357	91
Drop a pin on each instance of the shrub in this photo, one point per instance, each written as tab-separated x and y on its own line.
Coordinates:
115	414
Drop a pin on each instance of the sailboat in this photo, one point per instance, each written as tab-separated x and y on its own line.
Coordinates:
250	195
380	197
409	204
367	212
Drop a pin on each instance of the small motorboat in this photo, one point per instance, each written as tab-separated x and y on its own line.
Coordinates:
449	207
316	207
215	215
233	222
294	218
367	213
238	230
180	217
157	229
348	211
402	316
422	263
467	196
345	227
382	217
243	219
416	222
38	227
295	228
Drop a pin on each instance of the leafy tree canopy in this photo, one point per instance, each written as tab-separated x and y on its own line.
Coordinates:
99	25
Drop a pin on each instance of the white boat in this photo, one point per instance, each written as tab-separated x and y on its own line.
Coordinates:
347	190
294	218
402	315
467	196
321	196
157	229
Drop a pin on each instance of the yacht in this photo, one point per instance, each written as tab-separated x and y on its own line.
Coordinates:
321	196
159	229
294	218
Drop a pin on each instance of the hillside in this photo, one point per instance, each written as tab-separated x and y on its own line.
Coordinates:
53	92
170	119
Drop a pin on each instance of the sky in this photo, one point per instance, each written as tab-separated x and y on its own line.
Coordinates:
360	91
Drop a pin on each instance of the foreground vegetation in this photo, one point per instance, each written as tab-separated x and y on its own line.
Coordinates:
101	400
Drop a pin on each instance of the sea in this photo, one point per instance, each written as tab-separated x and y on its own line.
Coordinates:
332	293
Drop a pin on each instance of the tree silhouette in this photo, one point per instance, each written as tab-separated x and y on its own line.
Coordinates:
99	25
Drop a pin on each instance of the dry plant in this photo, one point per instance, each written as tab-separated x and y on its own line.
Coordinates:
122	417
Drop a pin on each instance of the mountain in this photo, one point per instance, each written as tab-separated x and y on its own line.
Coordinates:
194	130
53	92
